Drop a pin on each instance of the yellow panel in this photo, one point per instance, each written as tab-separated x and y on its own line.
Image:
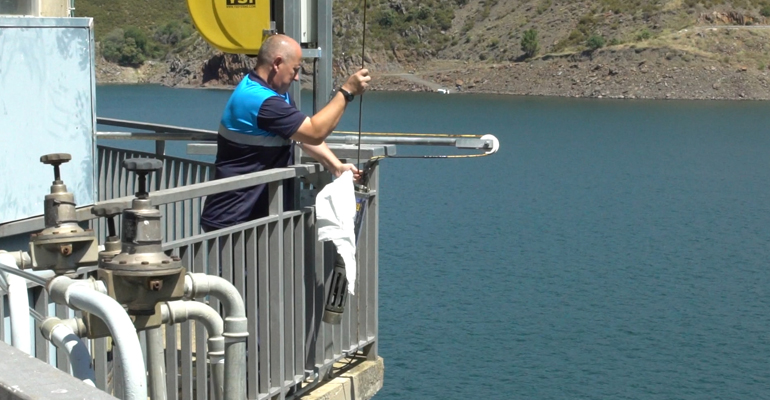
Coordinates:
233	26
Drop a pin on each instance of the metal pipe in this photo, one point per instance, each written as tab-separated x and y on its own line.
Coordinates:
34	278
18	303
156	367
402	140
236	329
81	295
63	337
175	312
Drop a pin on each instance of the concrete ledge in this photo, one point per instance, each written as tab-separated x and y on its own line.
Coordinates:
361	382
23	377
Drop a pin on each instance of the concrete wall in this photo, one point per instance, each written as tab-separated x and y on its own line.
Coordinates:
36	8
54	8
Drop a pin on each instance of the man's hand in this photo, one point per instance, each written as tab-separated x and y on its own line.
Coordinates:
348	167
358	82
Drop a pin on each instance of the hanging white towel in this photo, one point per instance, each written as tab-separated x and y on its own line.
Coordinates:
336	215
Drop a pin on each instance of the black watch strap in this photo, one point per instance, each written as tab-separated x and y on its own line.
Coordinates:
348	96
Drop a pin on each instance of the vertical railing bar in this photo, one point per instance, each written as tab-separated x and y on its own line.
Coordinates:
172	354
177	207
143	345
211	250
99	354
346	326
288	299
372	226
165	173
40	303
314	282
101	173
3	316
196	205
299	302
252	310
198	254
116	175
215	262
62	312
328	332
275	234
362	284
263	293
172	363
239	263
185	217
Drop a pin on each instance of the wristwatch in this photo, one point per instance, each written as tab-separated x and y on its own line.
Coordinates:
348	96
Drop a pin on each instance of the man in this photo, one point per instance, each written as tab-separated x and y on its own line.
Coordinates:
259	124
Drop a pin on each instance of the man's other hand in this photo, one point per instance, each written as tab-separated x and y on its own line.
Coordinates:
358	82
348	167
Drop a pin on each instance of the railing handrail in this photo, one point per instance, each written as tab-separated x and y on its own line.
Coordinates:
166	196
150	126
169	132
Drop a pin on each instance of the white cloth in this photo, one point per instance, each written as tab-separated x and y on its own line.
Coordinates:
336	219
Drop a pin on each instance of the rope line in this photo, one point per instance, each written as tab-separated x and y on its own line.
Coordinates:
361	98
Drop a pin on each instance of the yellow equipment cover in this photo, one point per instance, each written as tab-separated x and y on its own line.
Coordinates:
233	26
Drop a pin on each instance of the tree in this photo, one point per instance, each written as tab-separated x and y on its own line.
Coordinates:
119	47
529	44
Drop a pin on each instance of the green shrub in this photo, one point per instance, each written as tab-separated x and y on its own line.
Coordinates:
644	35
140	39
423	13
468	26
595	42
172	33
129	47
444	18
543	6
765	10
387	18
529	43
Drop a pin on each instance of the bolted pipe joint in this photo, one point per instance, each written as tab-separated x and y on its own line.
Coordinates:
236	329
180	311
197	285
216	349
60	287
76	325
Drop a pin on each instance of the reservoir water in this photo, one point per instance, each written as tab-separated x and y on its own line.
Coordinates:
610	250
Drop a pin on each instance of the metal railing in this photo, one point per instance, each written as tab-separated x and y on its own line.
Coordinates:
275	262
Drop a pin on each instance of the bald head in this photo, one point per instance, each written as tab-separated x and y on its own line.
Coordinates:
277	46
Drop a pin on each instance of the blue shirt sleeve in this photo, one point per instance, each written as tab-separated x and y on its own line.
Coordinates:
280	118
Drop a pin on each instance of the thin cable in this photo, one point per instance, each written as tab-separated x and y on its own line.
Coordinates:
361	98
24	274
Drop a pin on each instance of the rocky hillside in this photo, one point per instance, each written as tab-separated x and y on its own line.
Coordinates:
596	48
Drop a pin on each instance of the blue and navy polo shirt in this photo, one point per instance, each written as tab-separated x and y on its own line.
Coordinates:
254	135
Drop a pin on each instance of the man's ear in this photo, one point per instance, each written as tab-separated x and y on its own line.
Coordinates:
277	61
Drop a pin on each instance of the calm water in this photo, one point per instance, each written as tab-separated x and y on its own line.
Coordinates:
610	250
